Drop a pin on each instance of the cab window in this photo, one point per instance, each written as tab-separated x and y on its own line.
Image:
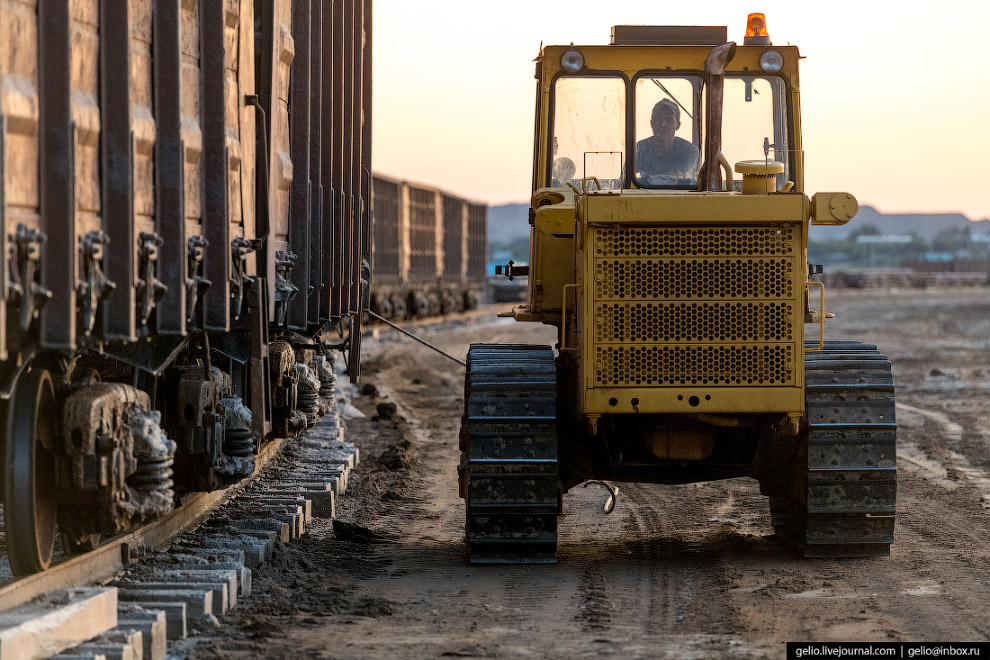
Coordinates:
754	121
668	131
589	130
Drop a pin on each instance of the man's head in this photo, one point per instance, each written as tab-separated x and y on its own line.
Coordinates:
666	119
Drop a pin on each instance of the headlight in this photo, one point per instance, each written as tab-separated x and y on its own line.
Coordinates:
572	61
771	61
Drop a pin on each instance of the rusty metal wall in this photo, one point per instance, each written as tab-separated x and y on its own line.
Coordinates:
453	232
477	239
386	265
156	155
425	238
423	232
20	185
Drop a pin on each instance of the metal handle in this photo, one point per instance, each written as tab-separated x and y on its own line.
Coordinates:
728	172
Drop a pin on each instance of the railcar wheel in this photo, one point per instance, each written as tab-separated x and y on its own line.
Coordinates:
29	490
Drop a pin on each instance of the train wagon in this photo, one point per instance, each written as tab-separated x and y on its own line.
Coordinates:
429	249
185	211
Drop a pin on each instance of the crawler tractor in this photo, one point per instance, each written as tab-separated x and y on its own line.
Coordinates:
681	294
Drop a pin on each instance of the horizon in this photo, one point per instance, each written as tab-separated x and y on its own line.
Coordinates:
893	116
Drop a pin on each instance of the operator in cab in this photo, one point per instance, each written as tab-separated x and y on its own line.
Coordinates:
664	155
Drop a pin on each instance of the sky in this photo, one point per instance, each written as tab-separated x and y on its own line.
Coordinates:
895	95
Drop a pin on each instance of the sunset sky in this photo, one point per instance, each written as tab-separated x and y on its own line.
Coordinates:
895	95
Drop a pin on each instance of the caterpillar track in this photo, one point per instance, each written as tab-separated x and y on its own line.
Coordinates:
508	467
848	471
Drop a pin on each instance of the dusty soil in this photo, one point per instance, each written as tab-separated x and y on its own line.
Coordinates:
676	571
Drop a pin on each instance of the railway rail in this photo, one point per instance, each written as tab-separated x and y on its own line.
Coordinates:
186	567
117	553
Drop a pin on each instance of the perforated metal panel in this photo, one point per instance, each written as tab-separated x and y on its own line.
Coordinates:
694	365
692	279
695	241
712	306
692	322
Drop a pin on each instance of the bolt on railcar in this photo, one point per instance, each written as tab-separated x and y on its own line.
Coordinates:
681	294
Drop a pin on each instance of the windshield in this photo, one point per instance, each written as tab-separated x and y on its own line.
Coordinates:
667	145
668	131
589	130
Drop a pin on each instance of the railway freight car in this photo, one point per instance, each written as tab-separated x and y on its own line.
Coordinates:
185	214
428	256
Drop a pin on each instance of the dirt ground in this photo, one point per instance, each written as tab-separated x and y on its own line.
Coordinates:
676	571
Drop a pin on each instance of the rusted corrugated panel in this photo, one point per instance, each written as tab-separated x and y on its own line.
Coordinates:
366	116
170	166
299	128
316	253
244	116
69	42
328	162
215	166
128	133
347	157
277	51
362	183
453	231
422	235
385	265
477	242
19	128
192	145
342	263
227	47
357	144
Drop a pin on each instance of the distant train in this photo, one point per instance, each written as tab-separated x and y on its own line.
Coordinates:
429	251
185	216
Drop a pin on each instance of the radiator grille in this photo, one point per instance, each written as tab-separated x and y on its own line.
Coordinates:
695	242
694	365
652	279
623	323
714	306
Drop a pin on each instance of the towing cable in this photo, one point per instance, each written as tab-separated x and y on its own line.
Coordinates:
412	336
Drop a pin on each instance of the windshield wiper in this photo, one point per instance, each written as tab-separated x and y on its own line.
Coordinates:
673	98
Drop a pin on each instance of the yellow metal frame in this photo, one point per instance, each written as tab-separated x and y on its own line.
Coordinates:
563	217
697	211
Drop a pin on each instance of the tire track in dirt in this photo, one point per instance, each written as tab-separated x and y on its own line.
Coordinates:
676	571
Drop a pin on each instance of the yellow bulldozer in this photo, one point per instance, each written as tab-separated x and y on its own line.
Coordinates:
669	247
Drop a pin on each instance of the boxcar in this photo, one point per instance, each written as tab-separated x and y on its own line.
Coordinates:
428	256
185	214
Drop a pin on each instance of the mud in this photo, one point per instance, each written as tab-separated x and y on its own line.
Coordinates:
676	571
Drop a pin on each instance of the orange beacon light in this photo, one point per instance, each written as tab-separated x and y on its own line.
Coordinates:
756	31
